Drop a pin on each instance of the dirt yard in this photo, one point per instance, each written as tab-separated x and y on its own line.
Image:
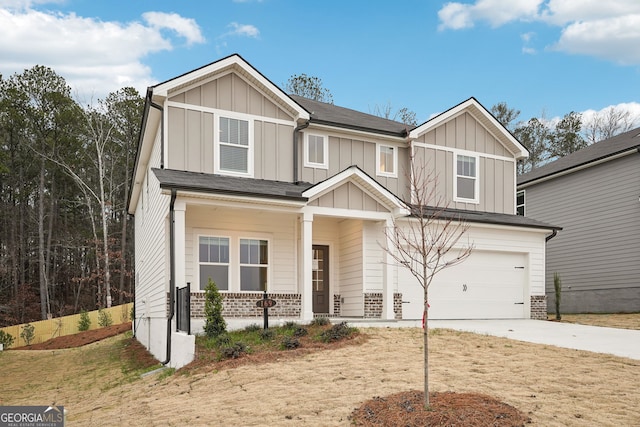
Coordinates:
554	387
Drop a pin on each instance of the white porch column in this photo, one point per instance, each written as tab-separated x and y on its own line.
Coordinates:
179	209
307	266
387	273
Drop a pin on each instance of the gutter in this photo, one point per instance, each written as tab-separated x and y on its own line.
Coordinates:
161	109
172	267
296	132
553	234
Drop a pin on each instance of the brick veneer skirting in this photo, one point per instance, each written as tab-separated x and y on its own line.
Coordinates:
373	305
539	307
244	305
336	305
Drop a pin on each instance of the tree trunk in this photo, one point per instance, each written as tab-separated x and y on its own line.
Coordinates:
44	286
425	332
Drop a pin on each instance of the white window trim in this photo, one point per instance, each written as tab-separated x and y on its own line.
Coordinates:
198	262
268	264
524	205
234	256
325	149
476	190
393	174
216	145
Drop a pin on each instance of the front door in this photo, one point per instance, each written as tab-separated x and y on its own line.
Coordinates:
320	279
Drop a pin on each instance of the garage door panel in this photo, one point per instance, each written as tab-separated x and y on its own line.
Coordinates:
486	285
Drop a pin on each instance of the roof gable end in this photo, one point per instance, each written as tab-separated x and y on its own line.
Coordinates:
479	113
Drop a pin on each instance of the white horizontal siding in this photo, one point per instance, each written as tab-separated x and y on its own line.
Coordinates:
351	268
373	235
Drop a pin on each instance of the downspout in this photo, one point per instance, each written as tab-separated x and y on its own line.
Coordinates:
553	234
161	109
172	267
296	132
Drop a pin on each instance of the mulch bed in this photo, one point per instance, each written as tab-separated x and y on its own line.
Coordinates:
448	409
79	339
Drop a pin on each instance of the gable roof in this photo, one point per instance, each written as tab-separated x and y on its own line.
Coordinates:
332	115
607	149
482	115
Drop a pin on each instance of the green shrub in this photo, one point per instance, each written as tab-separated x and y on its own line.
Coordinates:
290	343
557	284
300	332
290	325
104	318
222	340
320	321
28	333
254	327
84	323
6	339
267	334
234	351
336	333
214	324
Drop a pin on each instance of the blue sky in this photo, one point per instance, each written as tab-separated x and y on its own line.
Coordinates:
542	57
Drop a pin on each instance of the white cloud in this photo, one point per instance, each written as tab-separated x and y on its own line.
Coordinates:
184	27
632	107
457	16
244	30
95	57
604	29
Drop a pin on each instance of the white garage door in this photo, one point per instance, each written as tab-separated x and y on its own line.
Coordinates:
487	285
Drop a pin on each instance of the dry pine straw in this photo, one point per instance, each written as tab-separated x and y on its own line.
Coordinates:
552	386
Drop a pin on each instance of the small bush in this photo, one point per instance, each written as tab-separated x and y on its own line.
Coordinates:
234	351
254	327
214	322
223	340
28	333
336	333
104	318
290	343
267	334
300	332
6	339
84	323
320	321
290	325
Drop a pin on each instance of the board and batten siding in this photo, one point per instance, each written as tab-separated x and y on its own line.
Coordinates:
351	267
349	196
597	252
278	228
345	151
496	179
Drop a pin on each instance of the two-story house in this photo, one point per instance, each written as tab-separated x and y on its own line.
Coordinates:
259	190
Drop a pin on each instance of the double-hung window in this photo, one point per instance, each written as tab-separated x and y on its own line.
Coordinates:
234	146
254	264
316	151
387	159
214	261
466	179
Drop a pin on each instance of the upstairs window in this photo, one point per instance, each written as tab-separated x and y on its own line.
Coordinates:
214	261
466	182
387	158
254	264
520	202
234	146
316	151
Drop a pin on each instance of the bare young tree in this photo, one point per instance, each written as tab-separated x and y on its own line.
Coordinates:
608	123
427	242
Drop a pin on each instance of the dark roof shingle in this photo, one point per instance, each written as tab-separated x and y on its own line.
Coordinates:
600	150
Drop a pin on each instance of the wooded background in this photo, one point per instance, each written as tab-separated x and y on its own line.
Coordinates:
66	240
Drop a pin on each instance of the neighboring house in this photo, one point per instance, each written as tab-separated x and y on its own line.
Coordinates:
594	194
261	191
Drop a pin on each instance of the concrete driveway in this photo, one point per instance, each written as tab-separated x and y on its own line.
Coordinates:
619	342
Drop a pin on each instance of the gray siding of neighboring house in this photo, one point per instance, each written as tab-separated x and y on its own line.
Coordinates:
597	254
